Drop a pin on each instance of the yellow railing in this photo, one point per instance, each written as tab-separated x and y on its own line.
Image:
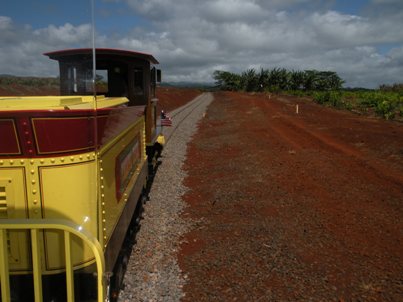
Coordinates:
35	226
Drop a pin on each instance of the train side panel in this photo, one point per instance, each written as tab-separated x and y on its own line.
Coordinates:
123	177
68	192
14	204
49	188
94	179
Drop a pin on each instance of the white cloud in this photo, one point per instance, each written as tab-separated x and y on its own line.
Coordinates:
334	28
66	34
5	22
241	34
395	59
193	38
232	10
22	48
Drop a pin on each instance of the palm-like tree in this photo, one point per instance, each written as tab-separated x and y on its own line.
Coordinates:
297	80
249	80
226	80
278	79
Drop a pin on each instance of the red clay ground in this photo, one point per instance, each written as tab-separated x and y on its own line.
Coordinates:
291	207
170	98
21	90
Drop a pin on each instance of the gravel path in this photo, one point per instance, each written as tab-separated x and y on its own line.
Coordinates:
153	273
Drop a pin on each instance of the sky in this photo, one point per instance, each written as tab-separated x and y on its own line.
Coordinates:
361	40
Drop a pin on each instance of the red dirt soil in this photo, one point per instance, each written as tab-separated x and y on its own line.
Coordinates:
293	207
24	90
170	98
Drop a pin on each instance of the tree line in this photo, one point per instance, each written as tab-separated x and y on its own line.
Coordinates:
278	79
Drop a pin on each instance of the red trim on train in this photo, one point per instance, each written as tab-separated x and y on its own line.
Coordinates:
42	133
55	55
9	144
61	135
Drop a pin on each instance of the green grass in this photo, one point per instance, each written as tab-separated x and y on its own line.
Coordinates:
386	104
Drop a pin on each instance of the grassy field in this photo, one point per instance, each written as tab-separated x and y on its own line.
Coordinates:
385	104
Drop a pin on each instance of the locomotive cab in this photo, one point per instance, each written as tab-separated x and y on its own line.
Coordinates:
119	73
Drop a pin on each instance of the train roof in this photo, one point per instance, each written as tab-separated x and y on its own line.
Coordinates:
23	103
113	52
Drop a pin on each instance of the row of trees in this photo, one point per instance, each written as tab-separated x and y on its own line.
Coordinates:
278	79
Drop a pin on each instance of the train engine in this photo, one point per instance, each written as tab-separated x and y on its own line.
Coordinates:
82	160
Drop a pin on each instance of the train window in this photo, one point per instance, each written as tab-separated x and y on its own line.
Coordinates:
153	75
153	72
117	81
76	78
138	81
88	81
72	79
101	81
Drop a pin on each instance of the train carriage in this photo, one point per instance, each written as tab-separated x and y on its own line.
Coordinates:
79	158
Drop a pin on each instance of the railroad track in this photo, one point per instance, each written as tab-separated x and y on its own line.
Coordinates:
182	118
180	114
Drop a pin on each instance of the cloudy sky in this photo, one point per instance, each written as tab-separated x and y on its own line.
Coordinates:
361	40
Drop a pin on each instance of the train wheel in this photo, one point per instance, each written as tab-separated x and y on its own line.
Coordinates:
116	280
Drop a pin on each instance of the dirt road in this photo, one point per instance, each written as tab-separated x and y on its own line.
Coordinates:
293	207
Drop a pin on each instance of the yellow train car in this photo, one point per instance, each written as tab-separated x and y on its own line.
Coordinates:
79	157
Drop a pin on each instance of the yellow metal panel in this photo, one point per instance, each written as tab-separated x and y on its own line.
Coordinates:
39	102
120	155
69	267
59	102
36	265
13	202
102	102
34	225
69	192
4	275
12	193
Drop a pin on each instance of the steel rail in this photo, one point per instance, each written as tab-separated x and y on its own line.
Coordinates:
191	106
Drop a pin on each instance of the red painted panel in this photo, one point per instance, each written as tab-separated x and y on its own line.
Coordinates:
8	137
59	135
51	132
118	120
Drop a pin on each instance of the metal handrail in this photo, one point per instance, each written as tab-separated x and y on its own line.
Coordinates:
34	226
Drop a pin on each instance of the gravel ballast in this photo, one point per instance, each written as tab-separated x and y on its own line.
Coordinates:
153	273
